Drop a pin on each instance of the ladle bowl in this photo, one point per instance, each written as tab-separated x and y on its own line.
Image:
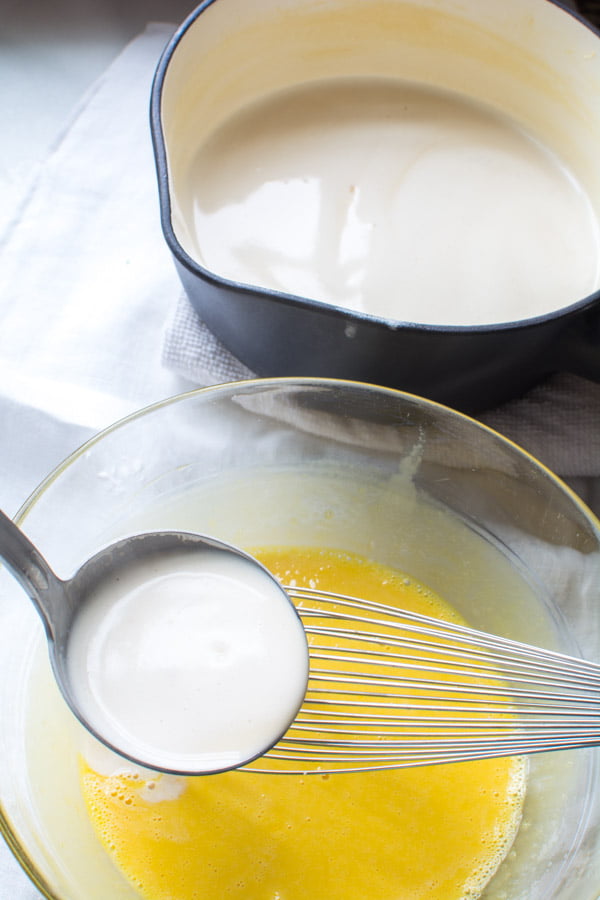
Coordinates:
61	605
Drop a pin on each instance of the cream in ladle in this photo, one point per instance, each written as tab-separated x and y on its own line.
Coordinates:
180	652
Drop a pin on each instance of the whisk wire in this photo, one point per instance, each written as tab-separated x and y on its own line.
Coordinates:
390	689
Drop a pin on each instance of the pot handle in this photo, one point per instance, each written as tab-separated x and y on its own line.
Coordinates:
580	345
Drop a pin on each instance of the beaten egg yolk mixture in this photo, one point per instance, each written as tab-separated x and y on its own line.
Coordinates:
428	833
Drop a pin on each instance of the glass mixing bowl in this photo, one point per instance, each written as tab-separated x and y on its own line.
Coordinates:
311	462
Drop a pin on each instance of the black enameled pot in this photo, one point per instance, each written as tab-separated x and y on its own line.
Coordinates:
229	52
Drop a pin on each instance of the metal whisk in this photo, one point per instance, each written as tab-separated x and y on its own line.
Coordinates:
391	689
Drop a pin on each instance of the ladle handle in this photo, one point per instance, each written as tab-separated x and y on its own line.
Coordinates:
29	568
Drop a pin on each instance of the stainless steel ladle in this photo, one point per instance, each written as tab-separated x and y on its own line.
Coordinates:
58	602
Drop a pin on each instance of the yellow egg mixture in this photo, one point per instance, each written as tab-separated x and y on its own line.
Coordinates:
429	833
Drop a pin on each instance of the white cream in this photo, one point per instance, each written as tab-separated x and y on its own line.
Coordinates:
194	663
395	200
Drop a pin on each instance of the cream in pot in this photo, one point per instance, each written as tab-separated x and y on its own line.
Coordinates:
394	200
417	163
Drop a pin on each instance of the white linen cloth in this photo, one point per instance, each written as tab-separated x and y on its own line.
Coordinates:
558	421
85	281
93	324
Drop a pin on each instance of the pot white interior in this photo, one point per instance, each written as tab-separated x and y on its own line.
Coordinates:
530	60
